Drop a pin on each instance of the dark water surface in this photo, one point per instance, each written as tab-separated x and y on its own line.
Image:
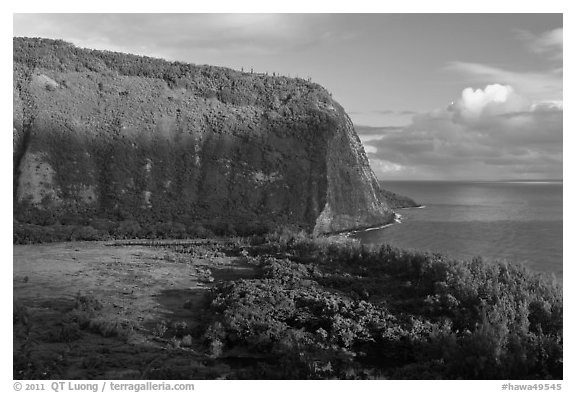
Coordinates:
513	221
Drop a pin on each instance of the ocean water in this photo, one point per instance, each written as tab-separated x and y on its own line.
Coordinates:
518	222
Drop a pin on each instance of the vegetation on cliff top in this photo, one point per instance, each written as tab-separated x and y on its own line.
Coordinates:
225	84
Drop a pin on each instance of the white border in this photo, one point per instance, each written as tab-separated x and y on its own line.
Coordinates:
419	6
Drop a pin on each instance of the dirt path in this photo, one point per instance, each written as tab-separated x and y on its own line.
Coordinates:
150	300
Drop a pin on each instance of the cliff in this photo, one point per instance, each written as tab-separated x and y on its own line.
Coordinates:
397	201
107	135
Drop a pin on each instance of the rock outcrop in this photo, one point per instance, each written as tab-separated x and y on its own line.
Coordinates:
117	136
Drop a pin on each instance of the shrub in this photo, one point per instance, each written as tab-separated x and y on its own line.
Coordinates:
198	230
87	233
336	309
128	229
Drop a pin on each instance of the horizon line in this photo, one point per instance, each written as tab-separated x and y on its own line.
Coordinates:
477	180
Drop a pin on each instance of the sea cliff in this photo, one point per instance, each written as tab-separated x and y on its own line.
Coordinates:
103	135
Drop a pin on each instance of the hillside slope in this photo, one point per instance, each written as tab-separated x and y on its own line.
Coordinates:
124	137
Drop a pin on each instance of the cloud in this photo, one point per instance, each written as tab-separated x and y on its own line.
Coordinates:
384	166
494	99
488	133
541	86
370	130
394	112
174	35
550	42
387	112
370	149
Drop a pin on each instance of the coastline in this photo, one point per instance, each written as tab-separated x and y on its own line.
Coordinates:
521	223
397	220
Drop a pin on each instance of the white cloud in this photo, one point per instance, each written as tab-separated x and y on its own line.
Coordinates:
383	166
540	86
179	36
493	100
493	132
550	42
369	148
551	39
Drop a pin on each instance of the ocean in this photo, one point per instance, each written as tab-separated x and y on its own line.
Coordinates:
519	222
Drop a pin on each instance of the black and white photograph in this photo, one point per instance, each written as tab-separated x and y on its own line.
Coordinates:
287	196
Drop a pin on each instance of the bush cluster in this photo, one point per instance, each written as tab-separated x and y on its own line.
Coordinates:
337	309
105	229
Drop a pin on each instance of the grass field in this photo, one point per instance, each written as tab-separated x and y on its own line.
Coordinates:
97	310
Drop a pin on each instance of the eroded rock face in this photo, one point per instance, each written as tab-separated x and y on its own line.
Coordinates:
104	134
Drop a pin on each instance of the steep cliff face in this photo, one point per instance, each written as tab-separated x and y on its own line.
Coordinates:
102	134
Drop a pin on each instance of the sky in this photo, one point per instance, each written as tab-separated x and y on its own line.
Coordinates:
432	96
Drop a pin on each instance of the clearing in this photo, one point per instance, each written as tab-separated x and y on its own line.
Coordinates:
117	310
